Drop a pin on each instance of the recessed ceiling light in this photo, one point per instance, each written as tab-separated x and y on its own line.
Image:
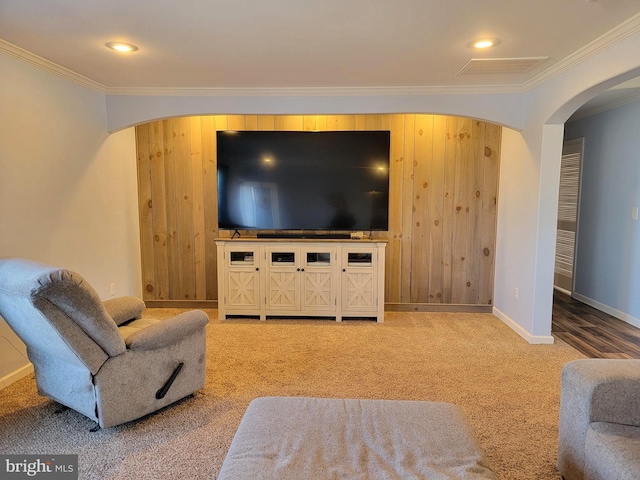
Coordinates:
121	47
483	43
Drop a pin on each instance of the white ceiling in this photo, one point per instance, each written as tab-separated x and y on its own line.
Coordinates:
304	43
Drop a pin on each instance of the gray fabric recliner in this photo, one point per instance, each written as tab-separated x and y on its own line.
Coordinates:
100	358
599	436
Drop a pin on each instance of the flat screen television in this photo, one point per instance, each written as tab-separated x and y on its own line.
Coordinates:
291	180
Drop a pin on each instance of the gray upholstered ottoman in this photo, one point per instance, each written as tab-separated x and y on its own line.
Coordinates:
294	438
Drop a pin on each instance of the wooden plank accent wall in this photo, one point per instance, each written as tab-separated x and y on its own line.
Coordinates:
442	203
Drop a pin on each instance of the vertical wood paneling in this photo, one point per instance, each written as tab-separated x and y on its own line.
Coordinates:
321	123
266	122
184	213
159	192
436	211
251	122
396	168
373	122
280	122
171	209
210	199
294	123
309	123
476	175
421	230
461	196
449	206
346	122
145	211
199	250
221	122
236	122
442	203
407	208
488	214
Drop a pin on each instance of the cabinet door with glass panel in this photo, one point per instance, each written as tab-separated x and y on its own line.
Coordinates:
359	280
319	268
242	280
283	269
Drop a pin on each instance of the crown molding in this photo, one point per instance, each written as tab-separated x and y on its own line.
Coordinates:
312	91
613	36
33	59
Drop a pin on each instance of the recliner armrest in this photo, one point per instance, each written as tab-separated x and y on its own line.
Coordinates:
594	390
167	332
125	308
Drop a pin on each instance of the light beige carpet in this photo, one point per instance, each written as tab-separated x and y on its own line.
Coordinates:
508	389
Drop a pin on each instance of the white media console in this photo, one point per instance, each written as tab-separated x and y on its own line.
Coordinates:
301	277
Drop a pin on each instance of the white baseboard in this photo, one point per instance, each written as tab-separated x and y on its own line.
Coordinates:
607	309
533	339
16	375
560	289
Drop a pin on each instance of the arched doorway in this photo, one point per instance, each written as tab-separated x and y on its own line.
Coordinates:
601	299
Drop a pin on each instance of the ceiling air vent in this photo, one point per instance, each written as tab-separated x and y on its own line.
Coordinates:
500	66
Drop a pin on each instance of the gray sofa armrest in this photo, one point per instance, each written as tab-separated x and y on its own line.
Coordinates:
123	309
594	390
167	332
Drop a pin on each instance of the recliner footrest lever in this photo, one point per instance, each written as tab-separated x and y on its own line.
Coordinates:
163	391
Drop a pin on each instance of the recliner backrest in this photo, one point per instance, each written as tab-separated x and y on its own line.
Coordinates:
57	313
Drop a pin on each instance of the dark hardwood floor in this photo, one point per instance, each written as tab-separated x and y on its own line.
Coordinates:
592	332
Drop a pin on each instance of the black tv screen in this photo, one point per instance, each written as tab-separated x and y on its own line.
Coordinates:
291	180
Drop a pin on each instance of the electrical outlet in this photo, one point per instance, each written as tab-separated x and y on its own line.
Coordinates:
516	293
113	289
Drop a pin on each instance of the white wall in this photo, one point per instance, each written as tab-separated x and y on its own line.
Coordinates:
532	185
515	237
526	243
608	251
501	108
68	190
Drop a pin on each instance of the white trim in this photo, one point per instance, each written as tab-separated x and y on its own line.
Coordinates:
16	375
563	290
532	339
618	33
587	112
33	59
314	91
625	317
